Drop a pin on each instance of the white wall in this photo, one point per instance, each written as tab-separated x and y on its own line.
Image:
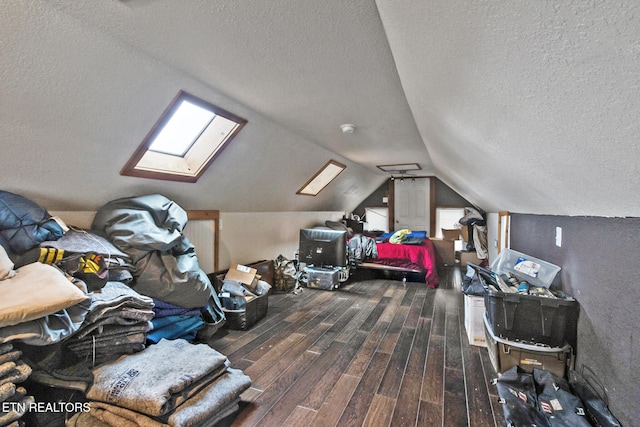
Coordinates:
247	237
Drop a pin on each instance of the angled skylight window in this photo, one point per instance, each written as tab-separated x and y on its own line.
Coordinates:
322	178
186	139
182	129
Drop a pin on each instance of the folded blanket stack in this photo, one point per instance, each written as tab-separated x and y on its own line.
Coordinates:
14	402
117	323
173	322
172	383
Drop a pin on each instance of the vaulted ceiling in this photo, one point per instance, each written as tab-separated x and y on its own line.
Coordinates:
522	106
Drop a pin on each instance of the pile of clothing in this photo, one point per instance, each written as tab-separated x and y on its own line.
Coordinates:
477	225
14	401
193	387
149	229
107	315
117	323
172	322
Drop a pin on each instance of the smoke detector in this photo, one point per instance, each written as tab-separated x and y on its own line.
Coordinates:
348	128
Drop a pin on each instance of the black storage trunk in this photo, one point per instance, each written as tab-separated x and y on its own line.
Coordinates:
505	354
533	319
242	313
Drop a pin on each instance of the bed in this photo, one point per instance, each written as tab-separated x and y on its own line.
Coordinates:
417	256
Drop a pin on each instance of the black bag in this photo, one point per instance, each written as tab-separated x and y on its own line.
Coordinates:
594	405
474	281
557	402
517	391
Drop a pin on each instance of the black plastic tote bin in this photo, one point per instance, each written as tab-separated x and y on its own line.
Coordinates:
532	319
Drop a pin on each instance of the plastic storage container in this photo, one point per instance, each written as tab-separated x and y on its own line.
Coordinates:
323	278
242	313
533	319
525	267
505	354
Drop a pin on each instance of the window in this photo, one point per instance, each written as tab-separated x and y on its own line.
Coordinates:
448	218
186	139
322	178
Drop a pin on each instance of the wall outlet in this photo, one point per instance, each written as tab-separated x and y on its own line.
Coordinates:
559	237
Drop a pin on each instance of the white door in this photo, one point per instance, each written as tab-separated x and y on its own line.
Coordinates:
411	207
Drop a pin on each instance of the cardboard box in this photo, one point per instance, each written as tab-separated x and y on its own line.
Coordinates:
471	257
446	249
450	234
464	232
474	320
241	273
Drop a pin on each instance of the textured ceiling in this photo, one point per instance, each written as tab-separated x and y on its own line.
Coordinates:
522	106
526	106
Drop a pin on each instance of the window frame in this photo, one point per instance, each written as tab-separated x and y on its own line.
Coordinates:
174	174
303	191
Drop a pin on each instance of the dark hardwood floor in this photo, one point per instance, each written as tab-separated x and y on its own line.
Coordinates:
373	353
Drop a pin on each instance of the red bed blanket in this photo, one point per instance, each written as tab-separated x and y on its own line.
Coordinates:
424	255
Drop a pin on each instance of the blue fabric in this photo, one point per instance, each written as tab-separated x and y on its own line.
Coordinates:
174	327
165	309
24	224
412	235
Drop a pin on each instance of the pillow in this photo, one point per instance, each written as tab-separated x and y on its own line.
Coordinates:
6	265
37	290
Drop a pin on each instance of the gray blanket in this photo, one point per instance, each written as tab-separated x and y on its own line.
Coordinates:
17	411
113	416
48	329
159	378
113	297
206	408
18	373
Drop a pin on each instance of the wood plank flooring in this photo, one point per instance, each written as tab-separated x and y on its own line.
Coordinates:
373	353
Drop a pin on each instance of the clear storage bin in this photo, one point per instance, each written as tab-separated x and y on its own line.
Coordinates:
525	267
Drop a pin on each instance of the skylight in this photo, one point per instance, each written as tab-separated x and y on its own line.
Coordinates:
322	178
184	142
182	129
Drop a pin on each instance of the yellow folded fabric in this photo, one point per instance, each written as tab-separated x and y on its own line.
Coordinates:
399	236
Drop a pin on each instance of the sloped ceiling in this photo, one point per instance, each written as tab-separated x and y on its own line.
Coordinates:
521	106
526	106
